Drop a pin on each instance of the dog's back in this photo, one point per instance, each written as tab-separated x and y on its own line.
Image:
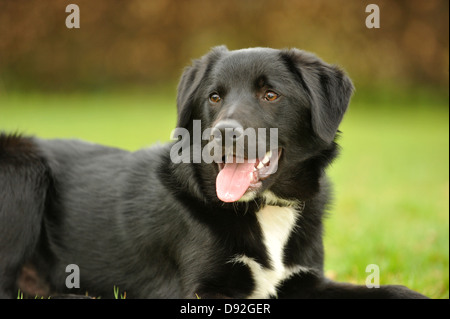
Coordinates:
103	209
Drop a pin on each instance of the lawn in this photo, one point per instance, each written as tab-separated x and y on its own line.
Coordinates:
391	181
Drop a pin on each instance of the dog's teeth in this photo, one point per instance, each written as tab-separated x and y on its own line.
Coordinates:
260	165
267	157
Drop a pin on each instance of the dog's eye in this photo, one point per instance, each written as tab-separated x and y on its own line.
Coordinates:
271	96
215	98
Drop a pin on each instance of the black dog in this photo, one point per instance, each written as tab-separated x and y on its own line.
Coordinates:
158	224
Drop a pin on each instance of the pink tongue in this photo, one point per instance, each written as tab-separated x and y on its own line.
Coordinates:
233	180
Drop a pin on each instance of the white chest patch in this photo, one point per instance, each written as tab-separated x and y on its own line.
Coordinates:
276	224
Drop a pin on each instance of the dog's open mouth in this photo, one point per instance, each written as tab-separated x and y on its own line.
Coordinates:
238	176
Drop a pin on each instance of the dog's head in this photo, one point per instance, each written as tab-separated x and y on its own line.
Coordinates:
282	107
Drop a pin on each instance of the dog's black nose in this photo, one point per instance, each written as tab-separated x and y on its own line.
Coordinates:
227	132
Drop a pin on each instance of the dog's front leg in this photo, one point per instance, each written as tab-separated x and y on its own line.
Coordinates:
315	286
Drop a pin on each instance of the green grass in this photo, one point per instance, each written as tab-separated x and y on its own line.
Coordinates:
130	121
118	295
391	181
392	198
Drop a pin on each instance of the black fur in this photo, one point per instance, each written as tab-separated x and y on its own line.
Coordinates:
157	229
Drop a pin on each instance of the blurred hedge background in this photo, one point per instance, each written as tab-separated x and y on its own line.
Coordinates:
113	81
140	42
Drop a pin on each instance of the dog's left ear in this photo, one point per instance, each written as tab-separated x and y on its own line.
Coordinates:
328	87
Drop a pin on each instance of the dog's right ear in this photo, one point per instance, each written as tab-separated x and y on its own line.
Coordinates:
328	88
191	81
